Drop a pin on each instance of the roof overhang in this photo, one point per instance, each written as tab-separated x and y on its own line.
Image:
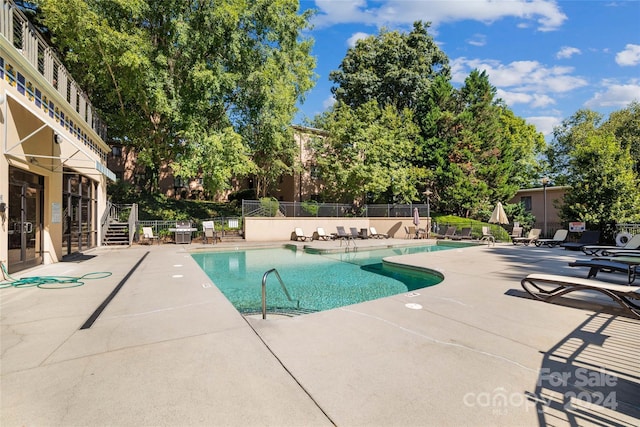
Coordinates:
64	151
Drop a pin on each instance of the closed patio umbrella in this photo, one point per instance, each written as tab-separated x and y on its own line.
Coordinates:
499	216
416	221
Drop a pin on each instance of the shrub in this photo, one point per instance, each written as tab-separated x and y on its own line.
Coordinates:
270	206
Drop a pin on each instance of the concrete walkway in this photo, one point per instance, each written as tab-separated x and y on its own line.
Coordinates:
169	349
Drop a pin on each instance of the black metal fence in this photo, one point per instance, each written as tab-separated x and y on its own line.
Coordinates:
274	208
161	227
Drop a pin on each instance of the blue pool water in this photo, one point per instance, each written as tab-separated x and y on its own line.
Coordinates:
319	282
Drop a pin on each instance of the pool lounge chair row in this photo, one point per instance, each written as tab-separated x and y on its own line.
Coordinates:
341	234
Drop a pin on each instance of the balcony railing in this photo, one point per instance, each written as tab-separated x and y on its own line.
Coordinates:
16	28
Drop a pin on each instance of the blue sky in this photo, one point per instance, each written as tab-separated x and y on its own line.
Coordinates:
547	59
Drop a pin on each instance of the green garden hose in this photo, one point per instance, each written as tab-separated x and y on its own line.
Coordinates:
48	282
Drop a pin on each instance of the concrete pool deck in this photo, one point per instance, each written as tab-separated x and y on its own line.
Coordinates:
169	349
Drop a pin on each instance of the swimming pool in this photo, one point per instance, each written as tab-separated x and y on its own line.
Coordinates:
318	281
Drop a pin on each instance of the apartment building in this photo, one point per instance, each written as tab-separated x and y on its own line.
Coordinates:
302	185
53	167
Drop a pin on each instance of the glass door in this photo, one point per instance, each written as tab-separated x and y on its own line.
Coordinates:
25	220
80	224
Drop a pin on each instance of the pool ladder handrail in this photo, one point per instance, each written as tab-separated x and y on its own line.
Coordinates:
264	291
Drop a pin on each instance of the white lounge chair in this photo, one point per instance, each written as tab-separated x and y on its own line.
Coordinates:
376	235
547	287
209	232
299	235
533	235
320	234
559	237
147	233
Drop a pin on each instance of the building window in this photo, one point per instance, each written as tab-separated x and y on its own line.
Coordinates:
315	172
116	151
180	182
526	201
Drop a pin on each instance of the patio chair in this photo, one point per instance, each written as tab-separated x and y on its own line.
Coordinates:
487	236
465	234
376	235
533	235
342	235
589	237
320	234
356	234
559	237
410	232
609	266
147	234
209	232
451	231
547	287
632	245
516	232
300	236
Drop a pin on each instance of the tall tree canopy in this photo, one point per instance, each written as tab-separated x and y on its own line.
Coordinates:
209	85
479	151
368	154
393	68
595	160
471	150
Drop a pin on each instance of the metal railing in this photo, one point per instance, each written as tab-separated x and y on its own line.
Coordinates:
264	291
133	218
25	38
273	208
104	221
161	227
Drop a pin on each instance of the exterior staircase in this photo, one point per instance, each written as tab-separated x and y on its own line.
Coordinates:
117	234
232	236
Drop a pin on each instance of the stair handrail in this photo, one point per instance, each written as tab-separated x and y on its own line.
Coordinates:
264	291
133	220
104	222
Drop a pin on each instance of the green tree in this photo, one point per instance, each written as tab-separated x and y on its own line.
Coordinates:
210	86
480	152
368	154
595	159
527	145
566	137
393	68
604	187
625	126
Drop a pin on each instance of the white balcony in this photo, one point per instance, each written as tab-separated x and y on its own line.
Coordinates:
36	80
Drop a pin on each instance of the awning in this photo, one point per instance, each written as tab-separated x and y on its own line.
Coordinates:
62	151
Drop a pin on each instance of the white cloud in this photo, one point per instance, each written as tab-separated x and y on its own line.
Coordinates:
629	56
534	100
544	124
351	41
478	40
522	76
615	95
567	52
545	13
328	102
